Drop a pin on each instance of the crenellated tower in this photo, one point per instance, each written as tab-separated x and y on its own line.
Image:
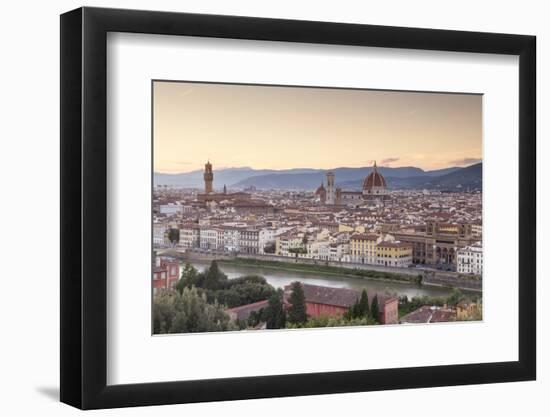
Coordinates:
208	178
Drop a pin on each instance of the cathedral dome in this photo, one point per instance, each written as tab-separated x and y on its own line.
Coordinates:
374	181
321	192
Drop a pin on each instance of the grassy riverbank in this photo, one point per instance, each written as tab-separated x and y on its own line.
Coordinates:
324	269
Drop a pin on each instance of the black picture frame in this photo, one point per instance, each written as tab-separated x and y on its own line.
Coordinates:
84	207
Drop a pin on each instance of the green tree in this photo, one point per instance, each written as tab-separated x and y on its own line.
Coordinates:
214	277
173	236
163	314
269	248
188	312
360	308
297	311
374	308
325	321
298	251
189	277
275	313
363	304
238	291
454	297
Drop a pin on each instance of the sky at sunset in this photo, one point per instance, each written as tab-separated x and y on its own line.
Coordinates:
266	127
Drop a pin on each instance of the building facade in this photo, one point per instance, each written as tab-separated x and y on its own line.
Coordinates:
363	248
249	241
470	260
211	238
189	236
437	243
166	274
395	254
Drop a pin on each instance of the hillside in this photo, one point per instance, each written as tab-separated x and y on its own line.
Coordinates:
347	178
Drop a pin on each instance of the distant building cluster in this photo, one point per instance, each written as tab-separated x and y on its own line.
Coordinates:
374	226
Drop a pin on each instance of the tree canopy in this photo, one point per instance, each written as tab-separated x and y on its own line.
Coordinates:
297	310
188	312
375	308
218	288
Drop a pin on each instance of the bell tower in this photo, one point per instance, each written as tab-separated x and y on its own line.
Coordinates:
208	178
331	198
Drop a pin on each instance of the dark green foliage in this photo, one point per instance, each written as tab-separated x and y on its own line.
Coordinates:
325	321
214	278
188	312
406	306
297	251
269	248
256	317
229	292
361	307
375	308
240	291
455	297
297	311
275	316
189	278
173	236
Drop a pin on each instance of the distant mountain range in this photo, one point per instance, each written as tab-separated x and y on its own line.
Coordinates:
466	178
347	178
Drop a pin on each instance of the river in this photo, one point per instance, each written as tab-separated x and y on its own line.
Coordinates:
280	278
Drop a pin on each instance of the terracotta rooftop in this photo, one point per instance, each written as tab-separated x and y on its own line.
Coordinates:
364	236
242	312
429	314
340	297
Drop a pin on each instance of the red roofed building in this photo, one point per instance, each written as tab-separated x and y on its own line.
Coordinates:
166	274
335	302
241	313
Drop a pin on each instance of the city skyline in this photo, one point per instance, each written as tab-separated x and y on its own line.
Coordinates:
279	128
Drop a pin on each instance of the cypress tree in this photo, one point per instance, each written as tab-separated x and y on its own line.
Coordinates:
297	311
374	308
214	277
275	312
363	305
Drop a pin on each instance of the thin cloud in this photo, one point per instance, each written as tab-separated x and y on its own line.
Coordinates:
179	162
388	161
465	161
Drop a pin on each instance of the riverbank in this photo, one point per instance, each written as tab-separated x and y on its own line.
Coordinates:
409	276
279	278
324	270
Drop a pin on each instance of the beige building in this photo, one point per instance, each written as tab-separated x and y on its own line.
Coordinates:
396	254
363	248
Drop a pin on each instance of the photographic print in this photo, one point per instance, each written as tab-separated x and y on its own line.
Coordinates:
294	207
